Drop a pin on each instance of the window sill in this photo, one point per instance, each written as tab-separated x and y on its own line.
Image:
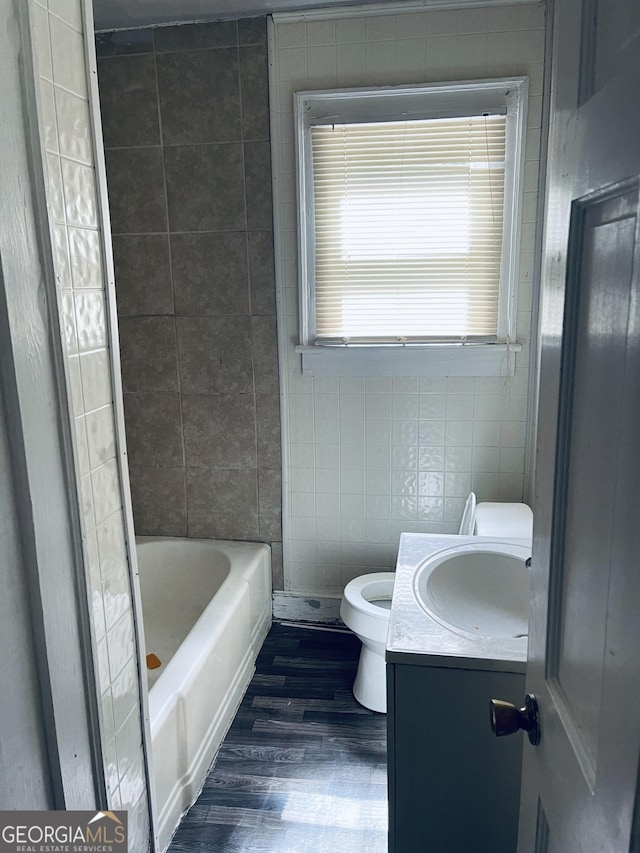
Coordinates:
427	360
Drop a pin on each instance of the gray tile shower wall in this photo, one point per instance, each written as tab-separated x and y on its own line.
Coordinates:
185	116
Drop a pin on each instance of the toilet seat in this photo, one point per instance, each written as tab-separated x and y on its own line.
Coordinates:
468	522
362	592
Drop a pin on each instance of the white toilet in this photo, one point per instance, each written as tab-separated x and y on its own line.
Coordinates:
365	609
366	604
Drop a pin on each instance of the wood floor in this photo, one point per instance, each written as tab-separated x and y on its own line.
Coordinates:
303	766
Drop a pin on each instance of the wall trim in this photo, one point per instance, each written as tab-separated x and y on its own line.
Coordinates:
298	607
399	7
535	342
429	360
114	15
281	310
40	438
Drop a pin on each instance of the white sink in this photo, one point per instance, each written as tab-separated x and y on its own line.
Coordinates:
477	589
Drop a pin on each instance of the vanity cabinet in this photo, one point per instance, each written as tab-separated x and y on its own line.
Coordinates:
453	786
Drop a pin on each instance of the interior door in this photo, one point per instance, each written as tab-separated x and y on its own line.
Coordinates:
579	784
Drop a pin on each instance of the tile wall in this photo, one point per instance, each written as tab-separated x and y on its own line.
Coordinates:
369	458
186	127
66	133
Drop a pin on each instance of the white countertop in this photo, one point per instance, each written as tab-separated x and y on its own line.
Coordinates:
416	638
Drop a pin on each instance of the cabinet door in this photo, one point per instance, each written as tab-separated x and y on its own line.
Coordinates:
453	786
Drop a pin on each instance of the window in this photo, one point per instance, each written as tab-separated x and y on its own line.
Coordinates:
408	201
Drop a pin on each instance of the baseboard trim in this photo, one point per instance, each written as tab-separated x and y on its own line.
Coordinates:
295	607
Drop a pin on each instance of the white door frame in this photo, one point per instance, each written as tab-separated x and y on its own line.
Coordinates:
39	434
39	427
104	221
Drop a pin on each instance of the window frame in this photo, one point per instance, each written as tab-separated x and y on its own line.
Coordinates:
433	100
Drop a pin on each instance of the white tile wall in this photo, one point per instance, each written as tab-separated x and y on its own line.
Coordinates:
66	133
369	458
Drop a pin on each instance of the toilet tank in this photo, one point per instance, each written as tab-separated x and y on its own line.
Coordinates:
508	520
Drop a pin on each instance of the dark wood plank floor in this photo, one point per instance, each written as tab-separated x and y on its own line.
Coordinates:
303	766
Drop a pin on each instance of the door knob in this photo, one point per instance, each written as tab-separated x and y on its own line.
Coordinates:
507	718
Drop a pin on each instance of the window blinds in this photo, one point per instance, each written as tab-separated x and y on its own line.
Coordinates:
408	229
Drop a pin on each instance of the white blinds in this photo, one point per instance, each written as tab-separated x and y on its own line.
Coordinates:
408	229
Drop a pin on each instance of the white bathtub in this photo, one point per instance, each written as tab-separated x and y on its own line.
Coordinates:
206	609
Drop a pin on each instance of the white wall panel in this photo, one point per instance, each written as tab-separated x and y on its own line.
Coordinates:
368	458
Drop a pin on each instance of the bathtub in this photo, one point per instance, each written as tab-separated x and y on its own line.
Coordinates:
206	609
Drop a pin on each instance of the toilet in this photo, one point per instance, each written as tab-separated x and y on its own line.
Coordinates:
366	605
366	608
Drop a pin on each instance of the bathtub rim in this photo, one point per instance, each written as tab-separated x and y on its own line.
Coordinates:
168	688
181	791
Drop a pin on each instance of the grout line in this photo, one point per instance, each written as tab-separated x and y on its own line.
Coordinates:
171	278
167	233
65	22
83	96
160	52
164	145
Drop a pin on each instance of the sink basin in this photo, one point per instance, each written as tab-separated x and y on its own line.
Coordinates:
477	590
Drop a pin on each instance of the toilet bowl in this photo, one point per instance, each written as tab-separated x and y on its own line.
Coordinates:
366	609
